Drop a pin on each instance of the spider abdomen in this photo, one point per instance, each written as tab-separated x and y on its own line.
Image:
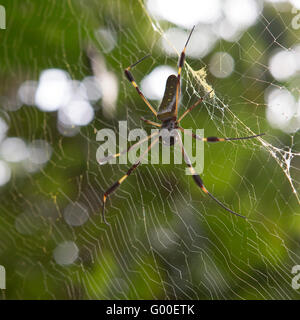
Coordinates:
167	107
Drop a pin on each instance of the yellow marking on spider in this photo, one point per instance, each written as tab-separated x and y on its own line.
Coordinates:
148	104
153	123
123	178
192	170
204	189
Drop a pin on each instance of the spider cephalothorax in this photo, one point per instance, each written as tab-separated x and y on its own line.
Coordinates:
168	133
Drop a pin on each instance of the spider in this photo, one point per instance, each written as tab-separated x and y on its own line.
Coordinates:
168	115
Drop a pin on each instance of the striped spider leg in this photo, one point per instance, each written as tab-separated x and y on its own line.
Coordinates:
199	181
128	173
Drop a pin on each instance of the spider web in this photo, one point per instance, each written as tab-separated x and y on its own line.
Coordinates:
166	240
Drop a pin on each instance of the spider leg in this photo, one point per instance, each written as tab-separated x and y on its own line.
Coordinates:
151	122
189	109
118	183
130	77
180	66
199	181
192	107
107	159
216	139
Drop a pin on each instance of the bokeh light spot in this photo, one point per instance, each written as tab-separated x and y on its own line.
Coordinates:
5	173
153	84
76	214
66	253
13	150
221	64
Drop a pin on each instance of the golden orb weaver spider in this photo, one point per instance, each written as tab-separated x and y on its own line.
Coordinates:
168	115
